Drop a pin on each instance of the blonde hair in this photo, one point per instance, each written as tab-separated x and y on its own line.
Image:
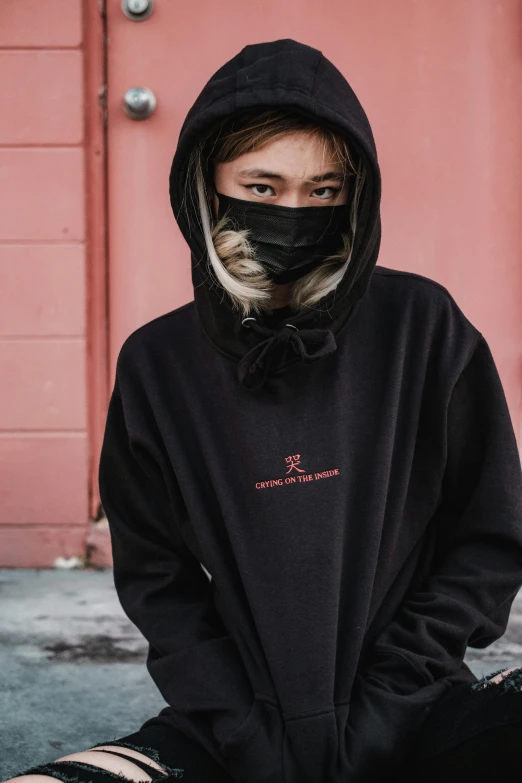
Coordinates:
231	255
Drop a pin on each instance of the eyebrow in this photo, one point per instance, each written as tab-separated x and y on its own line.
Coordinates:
261	173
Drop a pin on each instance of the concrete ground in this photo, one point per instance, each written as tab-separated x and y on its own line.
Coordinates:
73	666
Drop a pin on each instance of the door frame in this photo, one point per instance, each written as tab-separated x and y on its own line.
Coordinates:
97	267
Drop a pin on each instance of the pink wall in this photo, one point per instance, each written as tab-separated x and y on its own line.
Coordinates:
43	397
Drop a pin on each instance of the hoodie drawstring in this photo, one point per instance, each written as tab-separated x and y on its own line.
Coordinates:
310	344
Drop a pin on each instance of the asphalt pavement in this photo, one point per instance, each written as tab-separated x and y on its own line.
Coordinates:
73	665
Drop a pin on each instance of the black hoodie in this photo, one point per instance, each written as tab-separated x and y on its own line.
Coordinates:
356	498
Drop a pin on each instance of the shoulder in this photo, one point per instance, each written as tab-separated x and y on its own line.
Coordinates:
404	283
166	332
425	310
419	294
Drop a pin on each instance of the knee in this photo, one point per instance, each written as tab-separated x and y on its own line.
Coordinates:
132	754
112	763
507	679
95	757
30	779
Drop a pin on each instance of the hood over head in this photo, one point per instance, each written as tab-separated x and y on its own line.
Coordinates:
288	75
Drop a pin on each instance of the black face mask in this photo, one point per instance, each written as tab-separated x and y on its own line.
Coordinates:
288	241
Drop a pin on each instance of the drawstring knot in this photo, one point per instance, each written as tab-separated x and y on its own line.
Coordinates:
309	344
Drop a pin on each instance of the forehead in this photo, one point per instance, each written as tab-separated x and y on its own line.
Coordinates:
290	156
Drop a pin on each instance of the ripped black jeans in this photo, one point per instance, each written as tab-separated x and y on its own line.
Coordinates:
472	734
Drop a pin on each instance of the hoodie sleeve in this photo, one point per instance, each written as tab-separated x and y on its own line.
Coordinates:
164	591
476	572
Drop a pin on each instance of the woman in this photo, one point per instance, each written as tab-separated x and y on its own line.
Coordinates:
310	473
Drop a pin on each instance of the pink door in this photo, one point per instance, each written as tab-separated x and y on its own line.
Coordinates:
440	83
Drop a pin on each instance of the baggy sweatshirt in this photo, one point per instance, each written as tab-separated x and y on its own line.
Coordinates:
309	525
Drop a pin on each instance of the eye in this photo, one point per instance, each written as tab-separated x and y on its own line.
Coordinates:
250	187
335	191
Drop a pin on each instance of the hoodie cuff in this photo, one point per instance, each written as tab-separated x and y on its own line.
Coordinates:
393	672
254	750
